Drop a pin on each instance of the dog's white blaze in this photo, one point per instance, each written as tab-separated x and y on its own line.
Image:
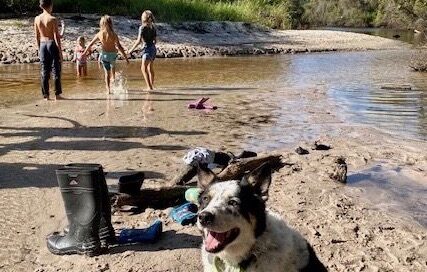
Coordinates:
223	191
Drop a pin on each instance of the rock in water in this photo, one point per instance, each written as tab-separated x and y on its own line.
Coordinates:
339	173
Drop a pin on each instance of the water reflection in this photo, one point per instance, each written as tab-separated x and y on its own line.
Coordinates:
148	107
354	81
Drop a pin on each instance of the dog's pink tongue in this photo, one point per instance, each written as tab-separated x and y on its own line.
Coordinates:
213	240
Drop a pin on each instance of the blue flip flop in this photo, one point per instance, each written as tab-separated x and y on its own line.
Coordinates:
185	214
148	235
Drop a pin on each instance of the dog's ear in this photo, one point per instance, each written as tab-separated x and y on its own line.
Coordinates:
260	180
205	177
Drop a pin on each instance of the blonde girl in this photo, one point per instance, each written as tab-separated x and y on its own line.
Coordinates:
109	44
148	36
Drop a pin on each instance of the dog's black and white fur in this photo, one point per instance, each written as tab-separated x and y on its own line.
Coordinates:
239	234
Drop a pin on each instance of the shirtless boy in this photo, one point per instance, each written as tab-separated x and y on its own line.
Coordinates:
49	43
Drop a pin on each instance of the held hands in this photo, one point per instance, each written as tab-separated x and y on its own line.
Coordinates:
126	58
127	55
87	51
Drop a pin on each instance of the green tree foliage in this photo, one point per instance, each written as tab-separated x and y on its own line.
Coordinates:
273	13
340	12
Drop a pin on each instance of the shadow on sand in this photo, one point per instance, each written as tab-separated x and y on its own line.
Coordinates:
74	138
169	240
21	175
103	138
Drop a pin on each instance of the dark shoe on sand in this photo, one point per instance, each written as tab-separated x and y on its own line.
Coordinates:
246	154
131	184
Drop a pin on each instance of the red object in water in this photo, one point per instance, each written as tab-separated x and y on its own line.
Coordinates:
201	104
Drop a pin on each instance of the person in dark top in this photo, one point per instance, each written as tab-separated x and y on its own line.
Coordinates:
147	35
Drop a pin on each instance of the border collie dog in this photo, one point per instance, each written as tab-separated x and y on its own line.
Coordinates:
239	234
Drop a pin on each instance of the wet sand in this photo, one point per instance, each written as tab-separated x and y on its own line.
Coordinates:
151	132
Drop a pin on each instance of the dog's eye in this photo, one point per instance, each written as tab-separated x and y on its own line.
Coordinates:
205	198
233	203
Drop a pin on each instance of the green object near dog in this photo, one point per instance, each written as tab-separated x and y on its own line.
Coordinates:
192	195
220	266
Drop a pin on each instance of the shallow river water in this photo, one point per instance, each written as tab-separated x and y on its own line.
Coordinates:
373	87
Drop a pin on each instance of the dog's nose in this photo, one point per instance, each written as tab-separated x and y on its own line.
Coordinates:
206	218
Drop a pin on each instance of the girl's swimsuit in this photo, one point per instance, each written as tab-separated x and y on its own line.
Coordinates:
149	52
80	58
108	59
148	35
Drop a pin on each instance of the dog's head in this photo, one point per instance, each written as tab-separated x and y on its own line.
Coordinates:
232	213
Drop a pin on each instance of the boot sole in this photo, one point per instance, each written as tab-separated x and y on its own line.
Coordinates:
105	237
73	251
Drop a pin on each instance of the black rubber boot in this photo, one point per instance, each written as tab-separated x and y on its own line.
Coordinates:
107	234
82	200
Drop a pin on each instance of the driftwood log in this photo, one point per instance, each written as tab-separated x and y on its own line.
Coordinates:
156	198
184	175
234	170
237	168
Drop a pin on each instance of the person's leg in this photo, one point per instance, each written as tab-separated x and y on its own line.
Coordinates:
113	73
45	69
78	70
84	69
151	73
107	80
56	69
144	70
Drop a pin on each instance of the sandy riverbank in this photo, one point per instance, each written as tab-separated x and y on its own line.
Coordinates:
192	39
349	232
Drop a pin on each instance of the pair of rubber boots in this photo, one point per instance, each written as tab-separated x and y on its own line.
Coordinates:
87	204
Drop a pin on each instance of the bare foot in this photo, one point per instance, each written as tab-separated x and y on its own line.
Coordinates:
58	97
46	99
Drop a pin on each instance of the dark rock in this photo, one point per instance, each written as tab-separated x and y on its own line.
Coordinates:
336	241
339	173
301	151
320	146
